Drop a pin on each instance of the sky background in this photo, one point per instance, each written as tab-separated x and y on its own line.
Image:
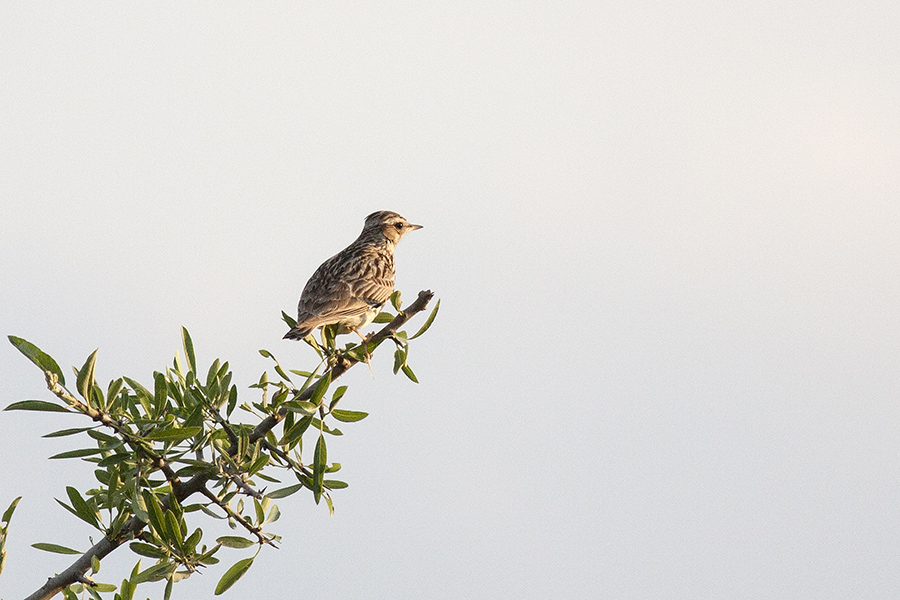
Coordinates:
664	236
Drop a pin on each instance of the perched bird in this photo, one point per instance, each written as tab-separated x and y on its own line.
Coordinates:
350	288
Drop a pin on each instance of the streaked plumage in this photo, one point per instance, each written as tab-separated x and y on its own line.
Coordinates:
350	288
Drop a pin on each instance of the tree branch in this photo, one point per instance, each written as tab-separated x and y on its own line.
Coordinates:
345	363
257	531
182	490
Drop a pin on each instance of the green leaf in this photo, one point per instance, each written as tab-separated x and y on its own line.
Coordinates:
232	400
317	424
260	512
82	509
103	437
274	514
160	392
154	512
348	416
78	453
383	317
338	394
288	319
148	550
236	571
103	587
399	359
155	573
301	406
233	541
126	590
188	349
86	377
281	373
8	513
407	370
173	434
320	457
115	459
395	300
139	506
321	388
38	357
173	527
191	542
334	484
296	432
65	432
54	548
428	321
95	564
115	386
36	405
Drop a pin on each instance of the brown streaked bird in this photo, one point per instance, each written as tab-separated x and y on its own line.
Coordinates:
350	288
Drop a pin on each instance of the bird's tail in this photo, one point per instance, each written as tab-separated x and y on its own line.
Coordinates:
298	333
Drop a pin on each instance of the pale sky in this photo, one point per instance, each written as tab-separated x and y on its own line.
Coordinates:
664	236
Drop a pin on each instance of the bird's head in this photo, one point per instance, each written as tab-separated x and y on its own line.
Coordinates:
388	224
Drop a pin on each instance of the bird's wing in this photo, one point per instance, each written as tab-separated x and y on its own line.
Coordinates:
344	288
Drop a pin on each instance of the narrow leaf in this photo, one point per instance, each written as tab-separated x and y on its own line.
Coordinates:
8	513
148	550
233	541
160	392
319	459
174	528
428	321
236	571
291	322
65	432
36	405
173	434
383	317
188	349
338	394
301	406
154	512
260	512
399	359
348	416
321	388
86	377
84	511
78	453
54	548
285	492
407	370
115	386
38	357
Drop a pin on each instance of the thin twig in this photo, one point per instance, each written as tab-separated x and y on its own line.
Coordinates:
251	528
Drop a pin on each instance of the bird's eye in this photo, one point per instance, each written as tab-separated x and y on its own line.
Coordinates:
398	225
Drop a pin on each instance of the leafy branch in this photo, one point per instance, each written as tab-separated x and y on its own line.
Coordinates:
156	449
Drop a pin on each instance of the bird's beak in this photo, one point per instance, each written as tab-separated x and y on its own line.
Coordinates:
414	227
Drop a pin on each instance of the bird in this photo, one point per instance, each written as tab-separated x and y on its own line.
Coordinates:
350	288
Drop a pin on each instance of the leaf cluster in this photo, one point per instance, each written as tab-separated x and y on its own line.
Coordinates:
169	454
